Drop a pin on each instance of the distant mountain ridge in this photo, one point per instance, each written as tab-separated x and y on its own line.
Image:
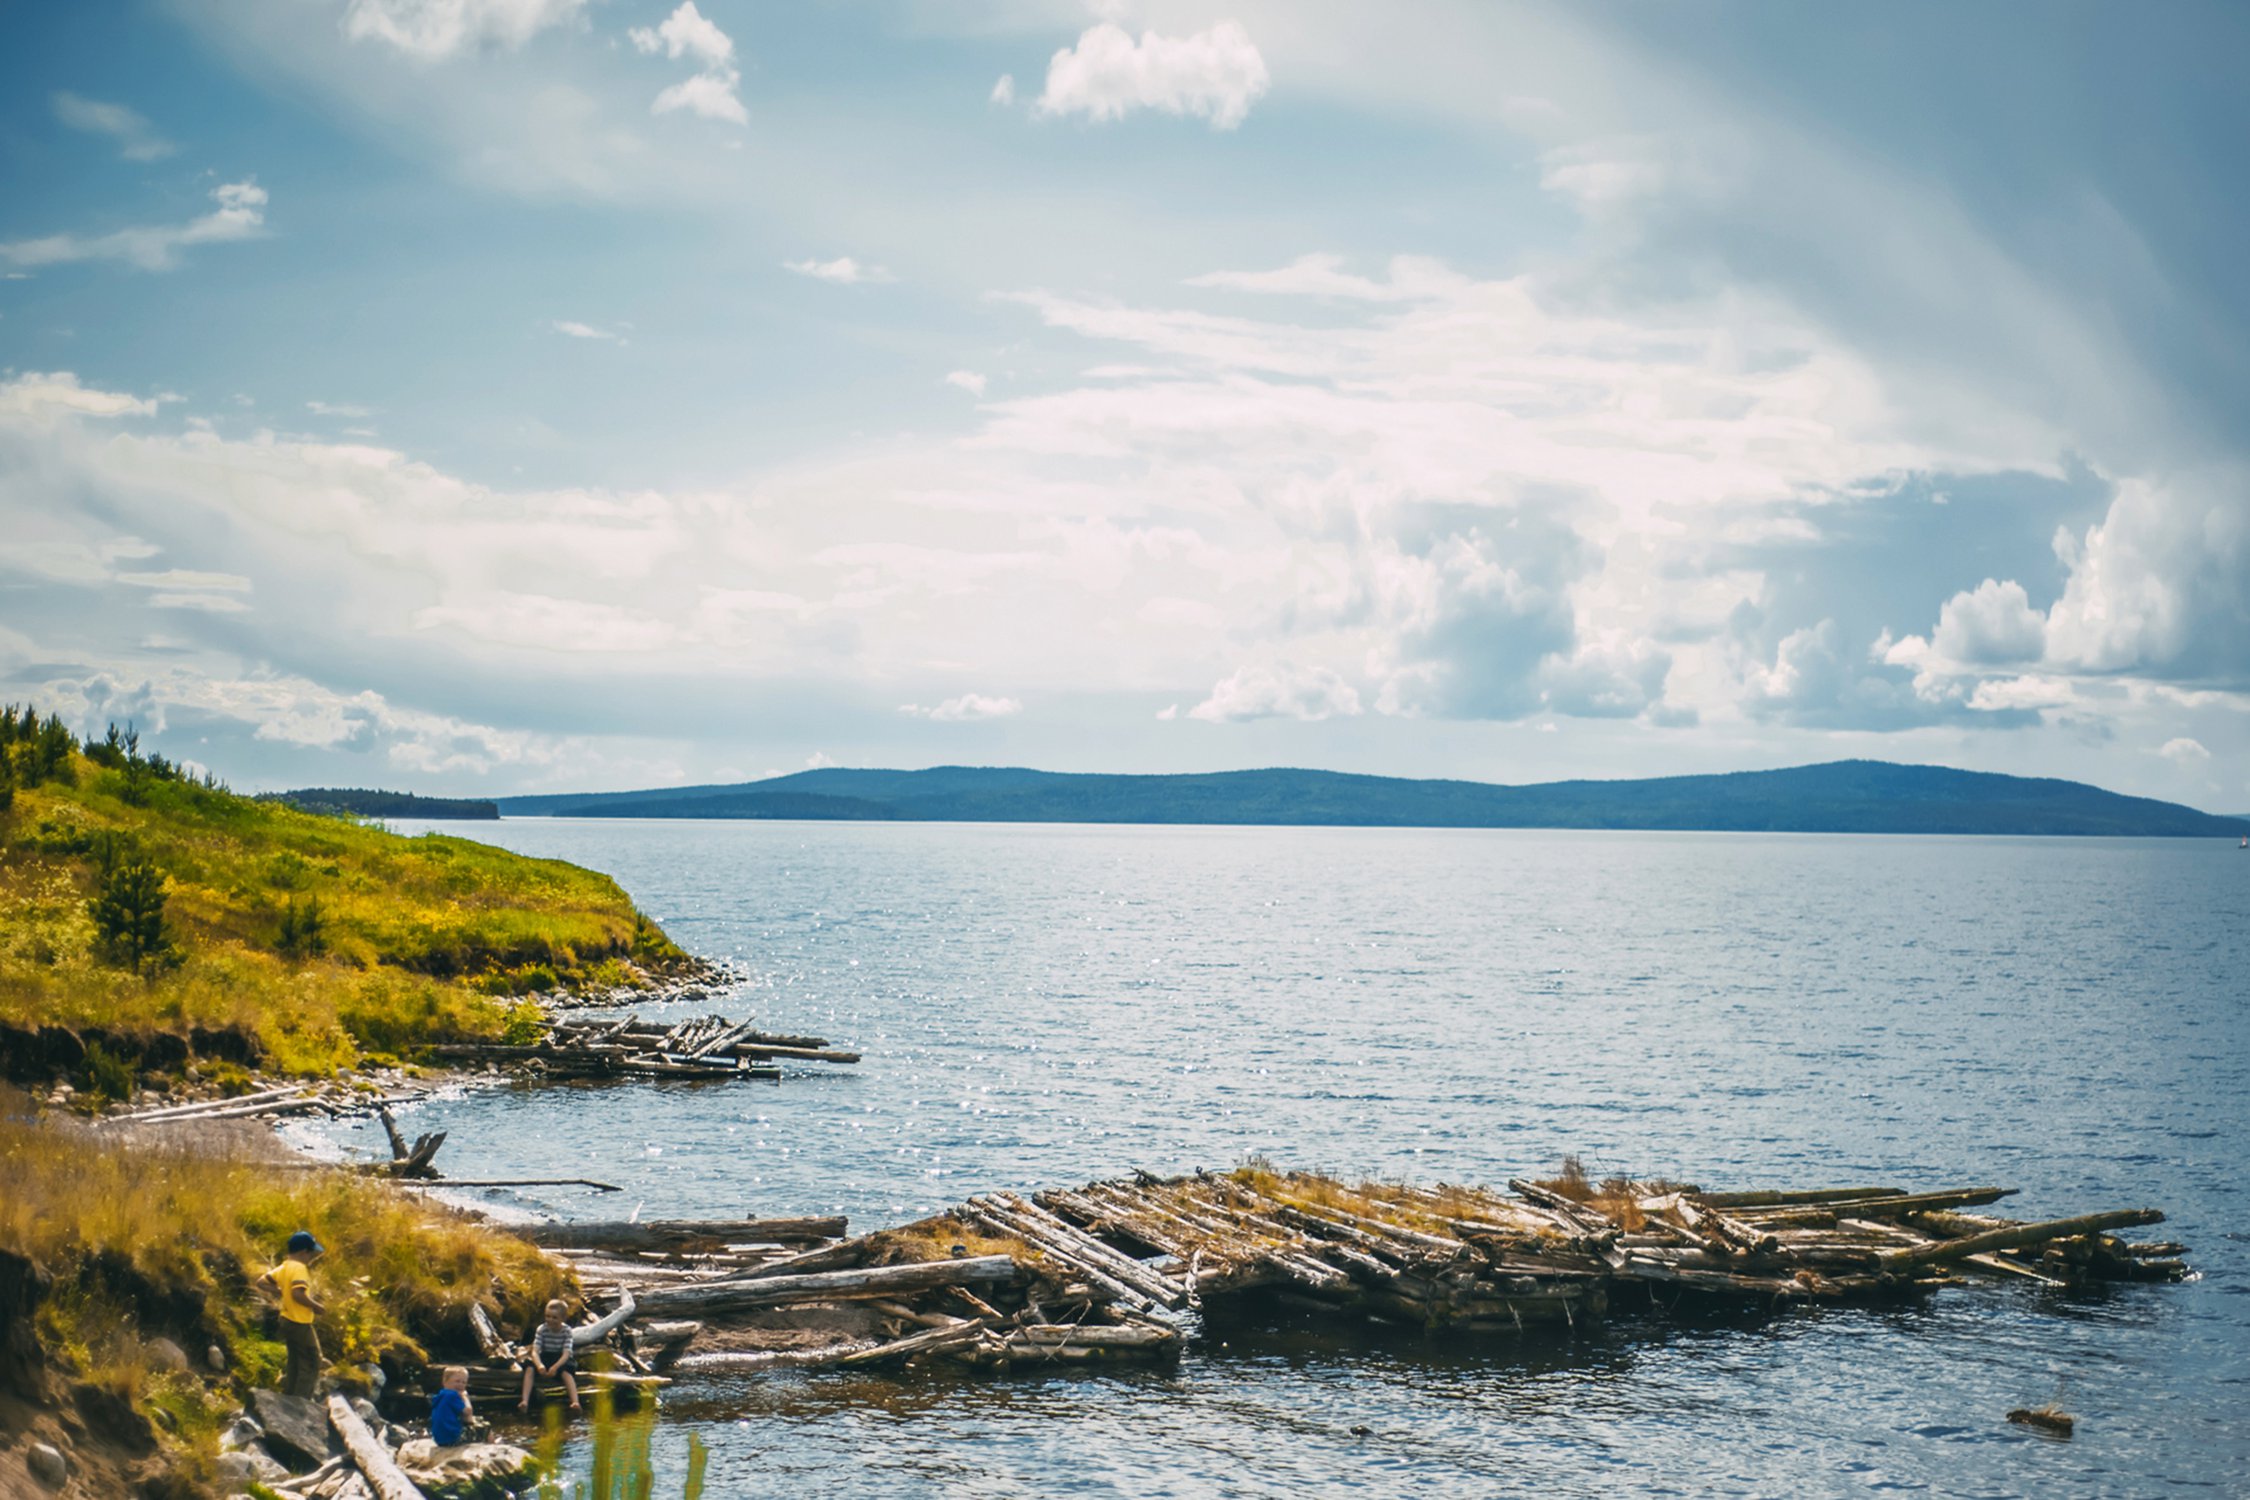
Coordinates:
1849	796
361	802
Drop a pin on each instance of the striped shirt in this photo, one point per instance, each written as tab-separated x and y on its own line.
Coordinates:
551	1341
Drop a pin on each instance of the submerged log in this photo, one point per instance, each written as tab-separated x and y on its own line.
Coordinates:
739	1293
1887	1208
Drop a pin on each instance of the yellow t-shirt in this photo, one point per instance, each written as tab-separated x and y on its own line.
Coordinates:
292	1273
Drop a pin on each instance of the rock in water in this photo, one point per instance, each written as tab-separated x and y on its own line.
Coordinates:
472	1471
47	1465
296	1429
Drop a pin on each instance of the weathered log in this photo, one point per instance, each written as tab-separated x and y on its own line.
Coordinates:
200	1106
827	1258
488	1337
738	1293
390	1129
1888	1208
376	1466
757	1052
1792	1198
514	1182
1145	1279
1007	1226
2015	1237
594	1332
930	1341
680	1234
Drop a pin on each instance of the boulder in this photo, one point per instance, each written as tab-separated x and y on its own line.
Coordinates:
47	1465
217	1357
238	1470
240	1433
296	1429
472	1471
164	1354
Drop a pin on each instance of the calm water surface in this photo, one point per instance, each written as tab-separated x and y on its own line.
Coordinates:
1040	1005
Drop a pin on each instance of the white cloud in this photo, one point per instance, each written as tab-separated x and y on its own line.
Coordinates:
2161	582
570	329
333	409
1004	92
136	139
1993	624
35	395
968	708
688	33
2185	753
967	380
1277	690
1413	278
843	271
441	28
187	578
152	247
1216	74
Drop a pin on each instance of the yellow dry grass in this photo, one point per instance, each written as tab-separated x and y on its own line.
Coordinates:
145	1238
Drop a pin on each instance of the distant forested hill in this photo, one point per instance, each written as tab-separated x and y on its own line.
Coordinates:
1852	796
371	804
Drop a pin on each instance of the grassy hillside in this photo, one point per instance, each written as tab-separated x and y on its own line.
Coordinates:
326	940
148	1249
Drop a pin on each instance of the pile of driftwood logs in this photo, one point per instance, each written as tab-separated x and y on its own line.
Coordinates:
1091	1273
702	1047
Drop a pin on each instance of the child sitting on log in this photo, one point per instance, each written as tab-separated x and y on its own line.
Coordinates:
552	1352
450	1408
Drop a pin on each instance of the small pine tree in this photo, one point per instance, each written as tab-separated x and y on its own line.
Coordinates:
128	913
137	770
7	780
304	931
51	751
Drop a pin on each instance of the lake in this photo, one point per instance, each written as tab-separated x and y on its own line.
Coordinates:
1041	1005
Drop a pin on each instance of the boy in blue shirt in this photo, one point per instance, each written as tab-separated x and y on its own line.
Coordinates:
449	1408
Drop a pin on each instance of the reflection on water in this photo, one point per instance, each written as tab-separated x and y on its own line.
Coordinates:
1046	1005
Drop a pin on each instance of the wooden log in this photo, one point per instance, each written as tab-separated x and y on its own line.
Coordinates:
1588	1219
1789	1198
2015	1237
740	1293
1097	1335
679	1234
1009	1228
750	1052
594	1332
930	1341
390	1129
374	1461
1146	1279
200	1106
658	1067
514	1182
726	1038
827	1258
488	1337
1888	1208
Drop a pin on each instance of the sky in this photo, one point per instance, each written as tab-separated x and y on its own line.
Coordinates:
489	396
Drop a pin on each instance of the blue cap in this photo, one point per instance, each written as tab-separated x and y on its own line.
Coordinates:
302	1241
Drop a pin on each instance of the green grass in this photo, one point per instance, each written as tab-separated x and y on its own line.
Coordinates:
426	939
